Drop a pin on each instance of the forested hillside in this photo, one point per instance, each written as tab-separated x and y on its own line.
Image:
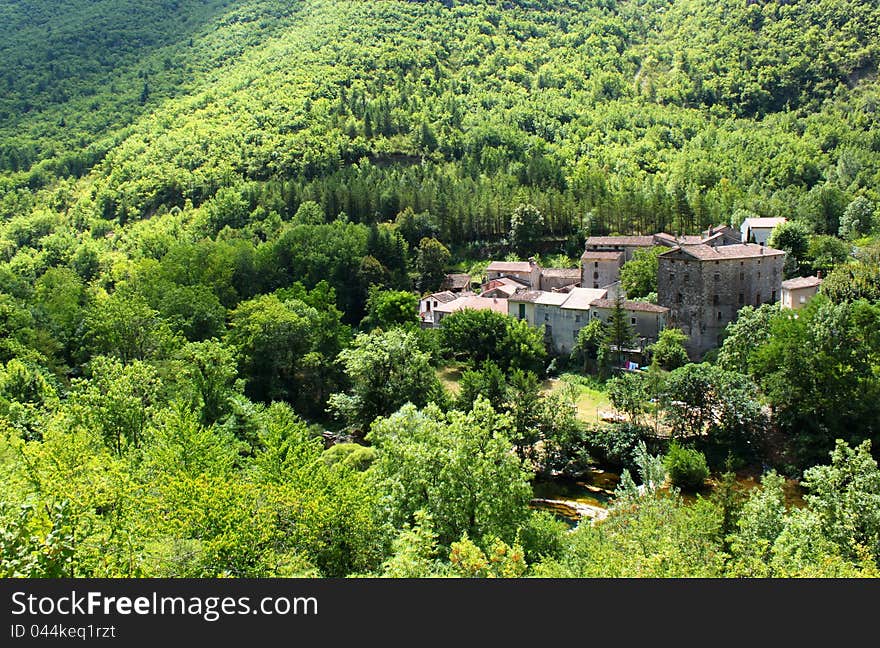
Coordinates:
216	218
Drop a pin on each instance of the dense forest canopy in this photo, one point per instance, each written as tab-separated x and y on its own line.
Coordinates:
215	217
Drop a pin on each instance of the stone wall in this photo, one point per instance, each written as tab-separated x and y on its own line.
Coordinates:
704	296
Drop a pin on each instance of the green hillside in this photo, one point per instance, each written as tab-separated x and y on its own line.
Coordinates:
217	218
635	112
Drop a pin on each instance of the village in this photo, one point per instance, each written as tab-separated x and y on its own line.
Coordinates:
702	282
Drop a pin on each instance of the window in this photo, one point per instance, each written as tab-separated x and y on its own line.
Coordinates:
671	276
577	318
595	275
773	297
522	311
803	299
714	300
595	264
742	298
595	285
686	276
429	306
546	317
719	316
678	298
717	275
576	331
717	262
632	320
758	299
742	276
759	274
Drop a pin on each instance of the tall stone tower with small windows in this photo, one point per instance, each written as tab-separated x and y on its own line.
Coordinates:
704	287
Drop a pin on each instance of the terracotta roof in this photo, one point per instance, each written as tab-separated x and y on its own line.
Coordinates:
710	253
509	266
664	236
581	298
801	282
475	303
601	255
574	273
644	307
630	241
688	239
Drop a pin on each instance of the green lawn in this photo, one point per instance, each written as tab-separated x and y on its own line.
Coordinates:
591	402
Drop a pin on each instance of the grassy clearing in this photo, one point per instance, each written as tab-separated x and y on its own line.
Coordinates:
590	397
591	402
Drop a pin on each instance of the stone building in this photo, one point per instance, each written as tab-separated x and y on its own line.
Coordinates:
704	287
646	319
526	272
559	278
600	267
563	315
626	244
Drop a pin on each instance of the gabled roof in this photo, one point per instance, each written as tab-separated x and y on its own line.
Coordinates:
644	307
551	298
457	280
801	282
509	266
566	273
710	253
503	288
581	298
601	255
622	241
443	297
528	296
474	302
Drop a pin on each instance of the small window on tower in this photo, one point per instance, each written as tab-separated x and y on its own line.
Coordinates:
742	298
719	316
595	264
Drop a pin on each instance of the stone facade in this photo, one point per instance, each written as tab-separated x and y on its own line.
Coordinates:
563	315
600	268
527	272
559	278
646	320
704	287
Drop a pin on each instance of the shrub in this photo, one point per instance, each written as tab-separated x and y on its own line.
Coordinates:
352	455
686	467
